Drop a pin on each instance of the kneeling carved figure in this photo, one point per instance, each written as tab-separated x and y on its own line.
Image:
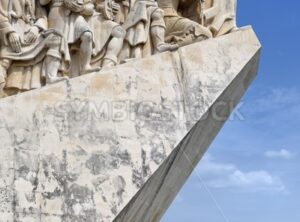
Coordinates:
180	28
194	20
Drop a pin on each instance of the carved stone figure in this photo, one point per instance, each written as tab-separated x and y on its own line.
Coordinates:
5	27
181	28
220	16
25	42
108	34
122	15
44	40
68	18
145	29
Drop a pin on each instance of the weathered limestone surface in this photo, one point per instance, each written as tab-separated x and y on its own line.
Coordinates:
118	145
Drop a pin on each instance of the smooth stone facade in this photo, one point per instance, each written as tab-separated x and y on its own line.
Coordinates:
118	145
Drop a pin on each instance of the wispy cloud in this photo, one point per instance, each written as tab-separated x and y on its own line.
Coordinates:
272	99
274	109
282	154
225	175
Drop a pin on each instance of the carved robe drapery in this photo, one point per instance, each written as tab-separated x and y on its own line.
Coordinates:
71	25
25	14
181	28
5	28
220	16
138	25
26	67
102	32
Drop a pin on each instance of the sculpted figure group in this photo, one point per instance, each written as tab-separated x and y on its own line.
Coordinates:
46	41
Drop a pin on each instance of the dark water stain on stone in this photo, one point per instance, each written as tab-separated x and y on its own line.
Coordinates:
119	185
137	178
100	162
83	197
96	163
158	154
125	158
145	165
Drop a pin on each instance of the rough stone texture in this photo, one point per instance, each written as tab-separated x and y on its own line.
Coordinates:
118	145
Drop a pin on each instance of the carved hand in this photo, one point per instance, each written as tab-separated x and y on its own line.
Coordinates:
88	9
74	7
15	43
32	35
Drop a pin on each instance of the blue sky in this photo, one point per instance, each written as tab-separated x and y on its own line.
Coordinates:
251	172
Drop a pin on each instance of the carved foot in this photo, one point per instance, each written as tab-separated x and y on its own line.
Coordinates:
235	29
56	79
2	93
108	63
127	60
167	47
90	70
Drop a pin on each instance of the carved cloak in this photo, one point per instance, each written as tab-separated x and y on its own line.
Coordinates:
138	25
221	16
102	31
26	69
71	25
180	27
5	26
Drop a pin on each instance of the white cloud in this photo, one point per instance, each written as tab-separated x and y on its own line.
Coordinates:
223	175
274	99
283	154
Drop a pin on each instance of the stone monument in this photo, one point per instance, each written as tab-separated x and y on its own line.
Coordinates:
108	105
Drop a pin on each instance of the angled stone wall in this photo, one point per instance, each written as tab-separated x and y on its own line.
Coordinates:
119	144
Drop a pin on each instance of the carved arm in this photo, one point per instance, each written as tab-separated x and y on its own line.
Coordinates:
5	26
213	11
88	9
41	15
45	2
85	8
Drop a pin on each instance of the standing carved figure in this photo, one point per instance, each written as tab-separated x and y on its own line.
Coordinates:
68	17
5	27
25	42
108	34
145	30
